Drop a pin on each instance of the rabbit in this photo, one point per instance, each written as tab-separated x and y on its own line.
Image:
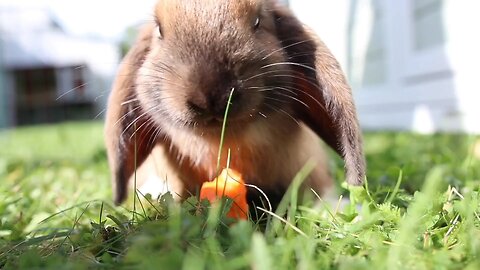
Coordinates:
169	98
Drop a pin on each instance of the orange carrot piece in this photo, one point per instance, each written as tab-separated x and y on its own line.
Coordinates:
228	184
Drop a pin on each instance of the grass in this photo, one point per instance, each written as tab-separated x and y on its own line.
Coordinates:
420	210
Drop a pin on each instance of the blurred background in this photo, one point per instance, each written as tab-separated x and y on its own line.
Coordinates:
58	58
412	63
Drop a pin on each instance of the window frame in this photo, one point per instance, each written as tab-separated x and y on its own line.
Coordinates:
419	63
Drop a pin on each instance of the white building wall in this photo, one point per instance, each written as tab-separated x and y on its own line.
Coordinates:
411	63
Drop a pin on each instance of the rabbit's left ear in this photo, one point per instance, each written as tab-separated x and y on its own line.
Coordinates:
322	86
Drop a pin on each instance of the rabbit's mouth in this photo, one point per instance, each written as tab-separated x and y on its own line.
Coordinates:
216	123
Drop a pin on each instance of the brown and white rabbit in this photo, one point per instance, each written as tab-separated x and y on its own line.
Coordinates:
173	86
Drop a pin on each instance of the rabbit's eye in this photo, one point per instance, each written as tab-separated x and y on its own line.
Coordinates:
158	29
256	23
159	32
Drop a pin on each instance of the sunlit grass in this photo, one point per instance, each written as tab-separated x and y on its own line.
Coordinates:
420	211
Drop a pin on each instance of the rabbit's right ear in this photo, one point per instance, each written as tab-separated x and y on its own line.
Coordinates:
327	106
128	130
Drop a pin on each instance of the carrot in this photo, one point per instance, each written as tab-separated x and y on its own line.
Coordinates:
228	184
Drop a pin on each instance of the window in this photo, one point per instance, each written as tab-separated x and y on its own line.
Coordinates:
78	81
35	86
375	60
428	24
36	91
367	52
424	39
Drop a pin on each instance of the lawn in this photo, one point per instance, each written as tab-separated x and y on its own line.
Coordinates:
419	210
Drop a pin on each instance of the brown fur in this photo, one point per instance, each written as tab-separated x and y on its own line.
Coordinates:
172	88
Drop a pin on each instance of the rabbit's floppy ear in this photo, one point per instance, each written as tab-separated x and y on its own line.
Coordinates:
127	131
322	86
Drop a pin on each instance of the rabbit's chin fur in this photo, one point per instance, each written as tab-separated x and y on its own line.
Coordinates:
255	152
